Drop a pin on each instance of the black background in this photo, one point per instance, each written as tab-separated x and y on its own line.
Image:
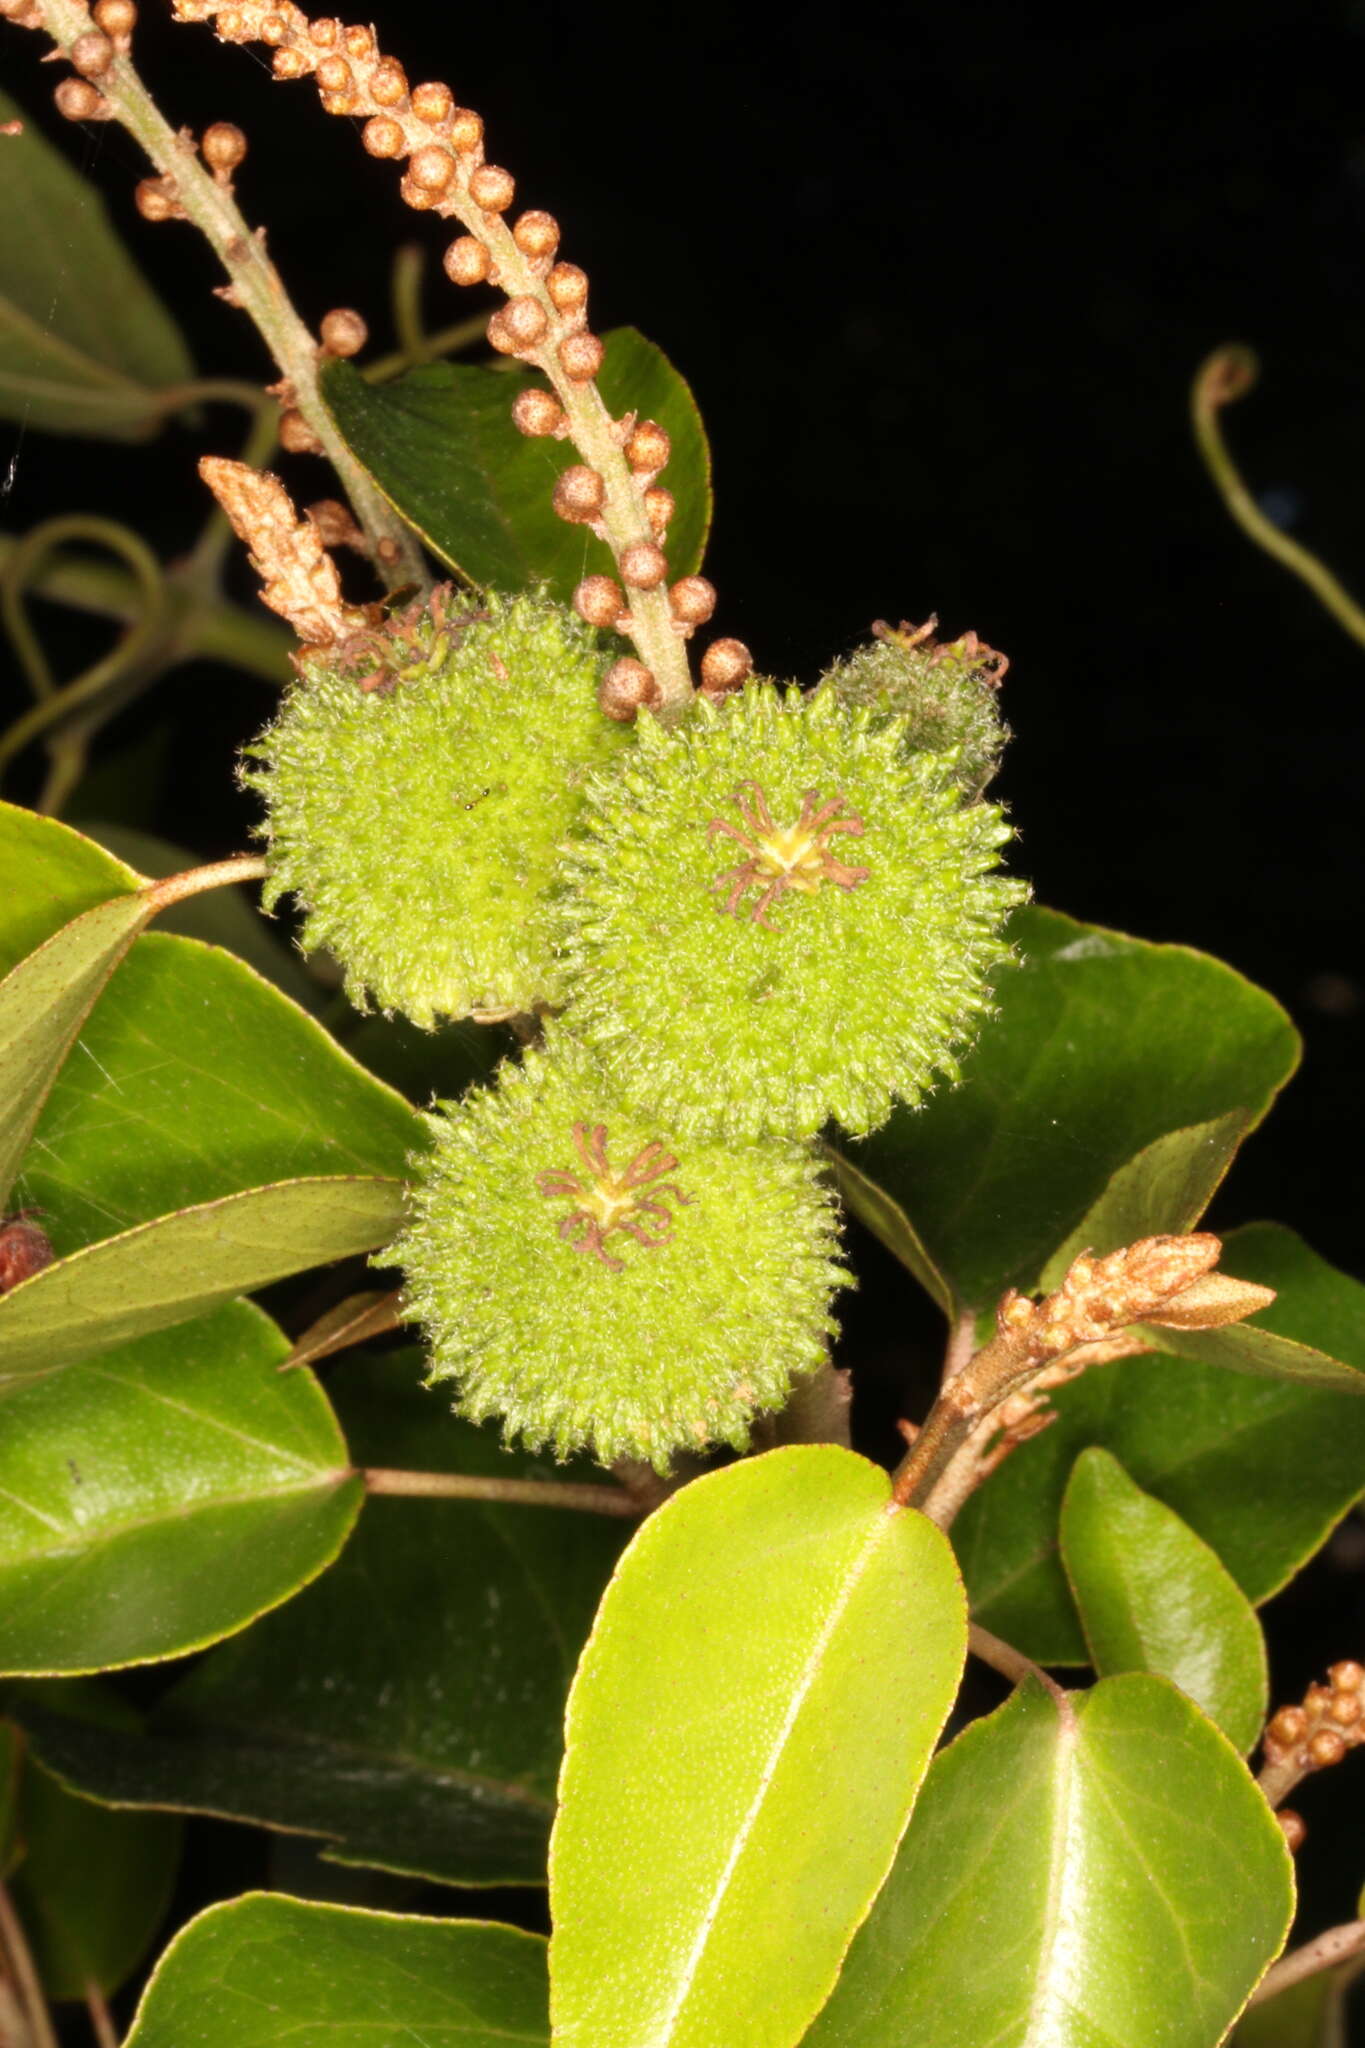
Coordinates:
940	278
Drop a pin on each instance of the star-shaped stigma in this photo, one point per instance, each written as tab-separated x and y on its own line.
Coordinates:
606	1201
784	857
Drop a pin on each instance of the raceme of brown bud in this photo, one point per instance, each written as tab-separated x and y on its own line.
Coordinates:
643	565
466	261
155	199
91	54
492	188
431	168
296	436
693	600
536	234
724	666
222	147
466	130
579	493
536	412
568	287
388	83
77	100
343	331
520	324
580	357
659	506
432	103
626	687
599	601
648	447
383	137
118	18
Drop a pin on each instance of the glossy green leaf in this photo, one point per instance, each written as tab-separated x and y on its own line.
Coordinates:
1307	2015
52	874
93	1886
1099	1872
748	1728
85	345
408	1706
182	1265
1102	1045
1261	1469
440	443
1153	1597
1165	1188
271	1972
160	1496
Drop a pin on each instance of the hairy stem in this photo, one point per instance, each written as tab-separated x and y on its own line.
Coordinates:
1278	1780
101	2019
243	867
1009	1662
1337	1945
530	1493
256	282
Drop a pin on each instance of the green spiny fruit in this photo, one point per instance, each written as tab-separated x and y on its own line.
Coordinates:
418	792
946	692
597	1285
776	914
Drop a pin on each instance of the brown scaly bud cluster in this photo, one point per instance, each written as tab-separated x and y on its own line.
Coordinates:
1312	1737
615	490
1168	1281
300	577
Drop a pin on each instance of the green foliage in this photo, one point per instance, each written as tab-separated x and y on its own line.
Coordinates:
765	1814
440	442
419	821
596	1282
833	988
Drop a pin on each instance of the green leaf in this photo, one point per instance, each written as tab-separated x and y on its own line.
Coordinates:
750	1723
407	1711
93	1886
265	1971
1102	1045
1307	2015
161	1496
1261	1469
85	345
441	445
1153	1597
1098	1869
52	875
182	1265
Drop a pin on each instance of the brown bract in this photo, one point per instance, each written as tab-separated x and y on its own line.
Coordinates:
300	577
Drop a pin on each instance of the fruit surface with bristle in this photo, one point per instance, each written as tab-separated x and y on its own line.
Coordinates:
777	913
418	793
946	692
598	1285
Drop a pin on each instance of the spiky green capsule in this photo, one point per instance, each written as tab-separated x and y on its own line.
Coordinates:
947	694
777	914
417	796
597	1284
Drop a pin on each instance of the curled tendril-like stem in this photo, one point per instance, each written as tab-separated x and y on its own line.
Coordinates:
608	1201
780	858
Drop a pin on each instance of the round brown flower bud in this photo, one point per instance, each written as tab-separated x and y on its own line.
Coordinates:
1325	1748
580	357
579	494
273	30
659	507
417	196
343	104
536	234
431	103
648	447
568	287
693	600
296	435
492	188
388	83
382	136
724	666
536	412
599	601
1292	1824
343	331
359	41
1287	1727
118	18
155	198
525	320
1347	1708
231	26
289	64
643	565
91	54
77	100
323	33
626	688
1347	1677
466	130
466	261
333	74
222	146
431	168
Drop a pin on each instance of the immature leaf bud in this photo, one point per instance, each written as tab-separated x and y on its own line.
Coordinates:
343	331
91	54
580	357
222	146
724	666
1213	1301
649	447
692	600
118	18
388	83
466	261
491	188
77	100
643	565
627	688
579	494
536	412
383	137
568	287
432	103
536	234
466	130
599	601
